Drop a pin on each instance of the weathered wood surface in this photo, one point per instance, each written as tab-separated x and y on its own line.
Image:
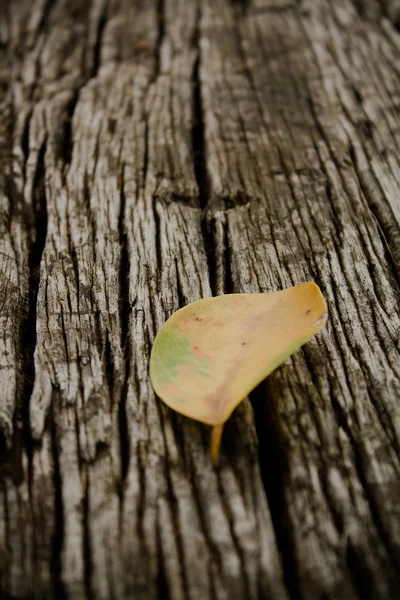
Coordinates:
153	153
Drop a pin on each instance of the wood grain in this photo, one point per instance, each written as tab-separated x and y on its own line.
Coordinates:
151	154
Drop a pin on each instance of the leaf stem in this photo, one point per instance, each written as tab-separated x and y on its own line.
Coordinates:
216	434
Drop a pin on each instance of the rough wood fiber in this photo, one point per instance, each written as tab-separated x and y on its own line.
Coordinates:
153	153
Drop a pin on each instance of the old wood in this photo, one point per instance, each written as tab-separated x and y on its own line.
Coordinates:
153	153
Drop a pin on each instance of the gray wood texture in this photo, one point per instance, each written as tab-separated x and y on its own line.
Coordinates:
153	153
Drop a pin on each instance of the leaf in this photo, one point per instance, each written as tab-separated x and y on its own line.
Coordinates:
210	354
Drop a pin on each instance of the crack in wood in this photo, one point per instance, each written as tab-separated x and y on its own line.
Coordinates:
125	320
86	540
99	38
58	534
273	470
199	150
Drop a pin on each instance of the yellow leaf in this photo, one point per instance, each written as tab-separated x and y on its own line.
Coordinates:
210	354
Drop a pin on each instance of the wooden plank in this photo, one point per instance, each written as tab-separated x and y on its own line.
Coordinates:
153	154
286	97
